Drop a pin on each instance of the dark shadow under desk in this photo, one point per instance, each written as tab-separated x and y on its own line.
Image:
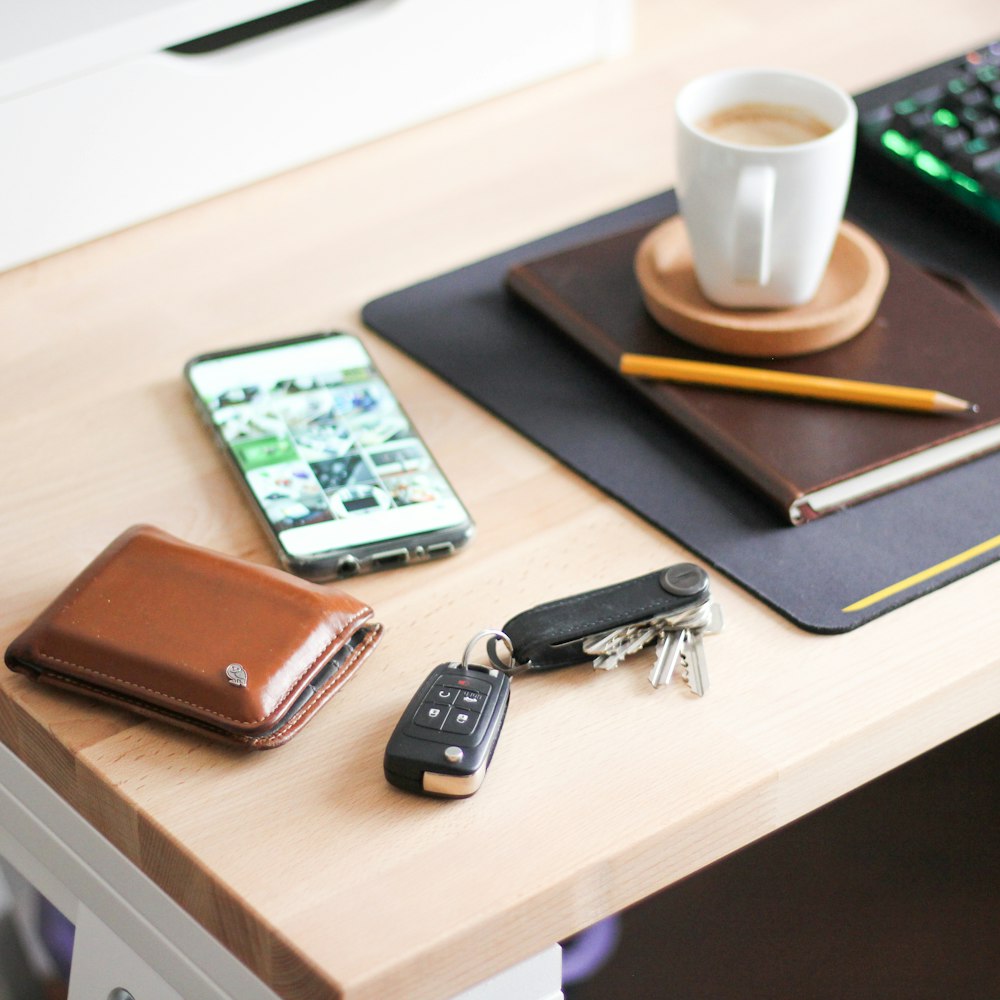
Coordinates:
889	893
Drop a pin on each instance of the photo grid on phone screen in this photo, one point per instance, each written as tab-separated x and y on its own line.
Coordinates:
328	447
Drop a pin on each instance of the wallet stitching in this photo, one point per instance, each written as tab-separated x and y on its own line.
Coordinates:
346	629
277	736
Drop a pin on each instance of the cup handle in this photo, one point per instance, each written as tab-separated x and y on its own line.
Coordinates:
754	209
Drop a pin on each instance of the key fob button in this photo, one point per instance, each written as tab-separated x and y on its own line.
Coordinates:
442	695
468	684
431	716
474	700
461	721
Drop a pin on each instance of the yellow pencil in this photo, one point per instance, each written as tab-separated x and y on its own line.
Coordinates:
840	390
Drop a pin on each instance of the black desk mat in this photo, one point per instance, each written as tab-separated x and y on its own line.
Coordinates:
891	550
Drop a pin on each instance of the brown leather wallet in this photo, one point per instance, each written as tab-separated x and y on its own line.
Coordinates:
242	652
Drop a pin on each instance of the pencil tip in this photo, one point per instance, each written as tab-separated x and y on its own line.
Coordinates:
955	405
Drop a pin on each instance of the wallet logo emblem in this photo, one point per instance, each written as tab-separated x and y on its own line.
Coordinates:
237	675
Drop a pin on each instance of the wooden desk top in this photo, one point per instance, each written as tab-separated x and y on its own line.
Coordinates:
603	790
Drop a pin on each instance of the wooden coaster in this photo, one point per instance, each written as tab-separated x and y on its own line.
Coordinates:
846	301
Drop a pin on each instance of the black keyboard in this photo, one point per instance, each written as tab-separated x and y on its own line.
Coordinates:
939	130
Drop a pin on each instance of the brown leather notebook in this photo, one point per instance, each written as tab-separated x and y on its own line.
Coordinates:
810	457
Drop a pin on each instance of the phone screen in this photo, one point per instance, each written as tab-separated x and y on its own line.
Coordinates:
323	445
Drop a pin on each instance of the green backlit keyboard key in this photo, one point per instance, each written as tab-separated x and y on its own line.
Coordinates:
940	127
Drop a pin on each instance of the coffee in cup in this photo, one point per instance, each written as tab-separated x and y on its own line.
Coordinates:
759	124
764	160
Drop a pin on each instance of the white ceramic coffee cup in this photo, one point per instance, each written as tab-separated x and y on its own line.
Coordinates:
762	220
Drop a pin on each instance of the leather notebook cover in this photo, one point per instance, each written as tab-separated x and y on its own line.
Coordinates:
241	652
924	335
468	328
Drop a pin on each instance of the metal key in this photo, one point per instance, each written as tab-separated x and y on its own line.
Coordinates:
668	652
695	663
681	642
611	648
695	668
626	640
608	648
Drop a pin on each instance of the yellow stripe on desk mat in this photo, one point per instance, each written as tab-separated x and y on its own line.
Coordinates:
926	574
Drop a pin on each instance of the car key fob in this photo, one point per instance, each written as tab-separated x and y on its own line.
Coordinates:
444	741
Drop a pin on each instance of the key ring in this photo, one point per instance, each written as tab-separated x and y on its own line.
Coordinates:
493	635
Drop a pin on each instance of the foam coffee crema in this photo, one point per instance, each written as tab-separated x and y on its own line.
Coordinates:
764	125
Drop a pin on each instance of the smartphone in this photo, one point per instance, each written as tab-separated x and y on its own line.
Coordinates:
327	457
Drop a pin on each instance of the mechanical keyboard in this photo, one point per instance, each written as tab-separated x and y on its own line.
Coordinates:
939	128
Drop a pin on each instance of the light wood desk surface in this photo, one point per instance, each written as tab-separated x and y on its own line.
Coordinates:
317	874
